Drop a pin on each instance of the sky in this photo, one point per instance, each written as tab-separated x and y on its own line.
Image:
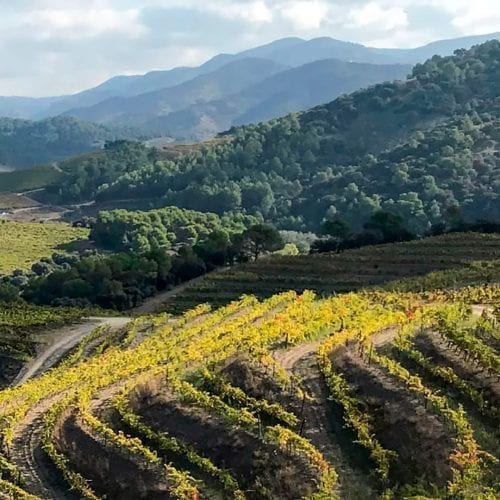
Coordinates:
56	47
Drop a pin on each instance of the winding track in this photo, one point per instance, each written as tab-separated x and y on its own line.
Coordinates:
67	338
26	452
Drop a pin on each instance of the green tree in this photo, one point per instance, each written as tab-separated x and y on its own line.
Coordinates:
336	228
261	238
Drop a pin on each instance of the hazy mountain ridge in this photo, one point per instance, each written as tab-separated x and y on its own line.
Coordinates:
225	91
289	91
287	51
229	79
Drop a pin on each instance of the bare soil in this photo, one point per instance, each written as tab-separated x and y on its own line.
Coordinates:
401	422
60	342
254	381
323	426
112	473
39	474
250	459
433	346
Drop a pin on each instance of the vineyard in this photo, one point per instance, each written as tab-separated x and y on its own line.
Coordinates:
373	394
446	261
23	244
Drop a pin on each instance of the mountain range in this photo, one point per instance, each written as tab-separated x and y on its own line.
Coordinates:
193	103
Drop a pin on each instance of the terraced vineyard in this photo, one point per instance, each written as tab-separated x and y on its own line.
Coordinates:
24	243
233	403
352	270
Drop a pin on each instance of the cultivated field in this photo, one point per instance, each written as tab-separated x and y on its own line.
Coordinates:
22	244
19	181
233	403
14	202
351	270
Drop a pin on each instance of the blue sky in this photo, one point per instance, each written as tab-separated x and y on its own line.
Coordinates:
52	47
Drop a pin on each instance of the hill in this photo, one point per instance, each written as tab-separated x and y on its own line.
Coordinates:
224	81
425	149
288	91
25	143
351	270
291	396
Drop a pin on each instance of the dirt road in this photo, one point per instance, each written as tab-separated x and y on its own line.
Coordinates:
63	340
302	361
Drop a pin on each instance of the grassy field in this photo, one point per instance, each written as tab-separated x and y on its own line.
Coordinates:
22	244
348	271
28	179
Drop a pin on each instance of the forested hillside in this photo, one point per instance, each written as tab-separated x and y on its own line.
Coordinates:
25	143
426	149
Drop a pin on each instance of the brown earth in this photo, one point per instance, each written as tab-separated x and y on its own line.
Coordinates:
259	467
112	473
434	347
401	422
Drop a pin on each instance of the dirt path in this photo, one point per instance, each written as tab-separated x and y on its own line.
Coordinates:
302	361
478	309
27	454
384	337
288	358
63	340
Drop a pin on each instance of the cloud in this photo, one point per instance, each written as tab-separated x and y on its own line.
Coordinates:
50	47
254	12
480	16
374	15
305	15
77	23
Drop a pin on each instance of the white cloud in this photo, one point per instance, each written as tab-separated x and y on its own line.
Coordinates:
78	23
305	15
374	15
254	12
471	17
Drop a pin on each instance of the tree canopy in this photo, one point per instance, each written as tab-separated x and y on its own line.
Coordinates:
421	149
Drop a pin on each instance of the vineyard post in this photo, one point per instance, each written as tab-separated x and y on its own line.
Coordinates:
301	430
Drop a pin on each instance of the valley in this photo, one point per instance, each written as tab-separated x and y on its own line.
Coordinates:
272	276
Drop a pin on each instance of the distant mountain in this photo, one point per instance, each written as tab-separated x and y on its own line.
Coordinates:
328	48
227	80
25	107
289	52
292	90
25	143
